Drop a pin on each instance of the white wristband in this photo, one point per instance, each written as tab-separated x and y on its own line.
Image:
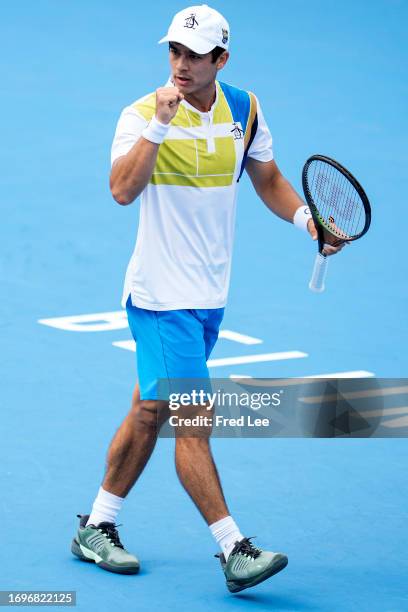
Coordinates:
156	131
301	218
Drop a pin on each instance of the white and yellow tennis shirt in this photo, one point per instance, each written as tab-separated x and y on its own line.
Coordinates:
182	256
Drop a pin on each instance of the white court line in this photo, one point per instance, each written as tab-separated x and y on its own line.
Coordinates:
359	394
214	363
109	321
236	337
225	333
350	374
386	412
401	422
130	345
233	376
100	321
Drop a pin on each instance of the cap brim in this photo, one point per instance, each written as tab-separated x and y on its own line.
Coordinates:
195	44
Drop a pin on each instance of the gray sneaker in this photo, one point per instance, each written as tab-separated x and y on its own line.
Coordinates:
101	544
248	566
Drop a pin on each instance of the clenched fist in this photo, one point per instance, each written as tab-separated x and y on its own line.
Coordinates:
167	103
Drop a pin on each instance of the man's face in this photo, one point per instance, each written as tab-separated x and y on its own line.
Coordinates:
192	72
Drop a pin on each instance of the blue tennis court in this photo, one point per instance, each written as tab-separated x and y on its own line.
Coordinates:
331	79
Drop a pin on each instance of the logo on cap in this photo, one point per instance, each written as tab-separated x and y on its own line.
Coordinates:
191	22
224	36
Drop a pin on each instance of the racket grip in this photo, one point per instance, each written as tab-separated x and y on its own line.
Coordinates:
319	273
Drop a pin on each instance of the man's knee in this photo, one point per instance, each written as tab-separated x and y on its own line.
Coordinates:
185	441
149	413
193	426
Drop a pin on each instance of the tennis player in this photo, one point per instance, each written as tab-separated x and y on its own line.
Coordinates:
183	149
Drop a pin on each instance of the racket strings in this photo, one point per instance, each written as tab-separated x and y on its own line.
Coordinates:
338	203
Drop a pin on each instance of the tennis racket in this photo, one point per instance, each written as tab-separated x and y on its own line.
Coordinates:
340	209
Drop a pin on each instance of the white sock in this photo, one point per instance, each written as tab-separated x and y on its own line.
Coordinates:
226	533
105	507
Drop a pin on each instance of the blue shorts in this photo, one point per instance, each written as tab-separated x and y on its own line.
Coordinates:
172	344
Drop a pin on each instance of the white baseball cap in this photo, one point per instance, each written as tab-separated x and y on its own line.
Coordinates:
200	28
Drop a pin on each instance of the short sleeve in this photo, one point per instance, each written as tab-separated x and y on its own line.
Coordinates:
128	131
261	146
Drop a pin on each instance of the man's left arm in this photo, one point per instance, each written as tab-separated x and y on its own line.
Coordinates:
279	196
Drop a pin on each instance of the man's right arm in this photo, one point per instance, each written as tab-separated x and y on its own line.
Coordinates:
131	172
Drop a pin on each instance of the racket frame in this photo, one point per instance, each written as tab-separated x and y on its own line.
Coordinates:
320	268
320	226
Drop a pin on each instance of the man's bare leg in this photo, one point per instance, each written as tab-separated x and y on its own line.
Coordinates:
132	445
198	474
97	538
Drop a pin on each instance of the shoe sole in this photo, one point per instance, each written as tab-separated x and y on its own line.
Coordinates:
236	586
81	552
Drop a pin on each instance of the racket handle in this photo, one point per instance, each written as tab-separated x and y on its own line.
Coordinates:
319	273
